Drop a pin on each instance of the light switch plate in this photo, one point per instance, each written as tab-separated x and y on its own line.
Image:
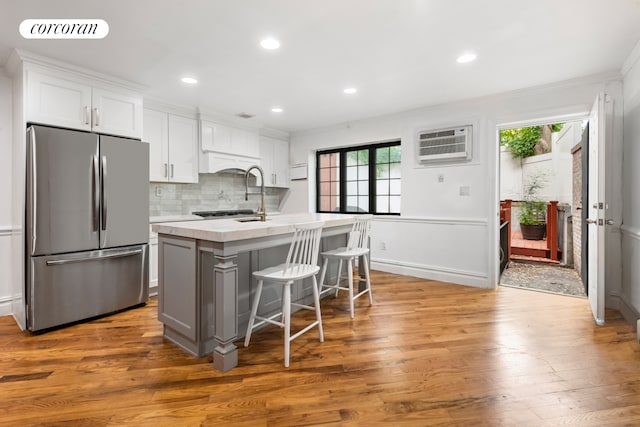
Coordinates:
465	190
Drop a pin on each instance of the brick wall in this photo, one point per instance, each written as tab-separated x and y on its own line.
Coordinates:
576	211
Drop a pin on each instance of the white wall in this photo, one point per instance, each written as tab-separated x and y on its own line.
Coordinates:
5	195
631	193
557	166
442	234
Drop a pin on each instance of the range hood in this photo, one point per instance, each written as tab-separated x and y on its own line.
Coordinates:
212	162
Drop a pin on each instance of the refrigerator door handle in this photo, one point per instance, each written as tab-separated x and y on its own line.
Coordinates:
111	255
103	196
95	188
33	190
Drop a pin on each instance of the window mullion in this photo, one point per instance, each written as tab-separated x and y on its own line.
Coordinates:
372	180
343	181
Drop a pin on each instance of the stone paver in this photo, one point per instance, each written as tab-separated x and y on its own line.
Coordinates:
548	278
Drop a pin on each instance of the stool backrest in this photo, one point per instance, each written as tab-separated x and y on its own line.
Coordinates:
305	245
359	236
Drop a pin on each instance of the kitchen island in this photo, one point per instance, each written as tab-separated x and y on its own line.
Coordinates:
205	283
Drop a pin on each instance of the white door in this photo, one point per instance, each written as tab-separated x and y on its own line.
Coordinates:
597	206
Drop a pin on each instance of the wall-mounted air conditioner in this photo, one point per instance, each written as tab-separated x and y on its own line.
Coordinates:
453	144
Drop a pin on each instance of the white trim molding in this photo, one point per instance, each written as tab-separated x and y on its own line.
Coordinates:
5	306
5	230
424	271
480	222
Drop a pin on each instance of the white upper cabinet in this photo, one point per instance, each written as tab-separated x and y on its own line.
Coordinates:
156	133
227	147
173	147
274	155
65	102
229	139
183	149
116	113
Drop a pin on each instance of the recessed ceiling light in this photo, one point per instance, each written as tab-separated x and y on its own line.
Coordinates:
350	90
270	44
467	57
189	80
277	110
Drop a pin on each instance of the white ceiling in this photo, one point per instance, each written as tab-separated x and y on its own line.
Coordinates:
400	54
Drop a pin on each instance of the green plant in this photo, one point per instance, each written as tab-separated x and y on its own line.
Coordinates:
532	210
521	141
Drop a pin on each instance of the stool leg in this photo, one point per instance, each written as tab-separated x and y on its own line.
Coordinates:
316	303
286	295
323	272
339	276
350	271
368	279
254	310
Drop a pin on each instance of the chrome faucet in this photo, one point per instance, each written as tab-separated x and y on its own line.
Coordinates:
261	212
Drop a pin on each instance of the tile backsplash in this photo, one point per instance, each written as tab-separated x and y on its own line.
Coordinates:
219	191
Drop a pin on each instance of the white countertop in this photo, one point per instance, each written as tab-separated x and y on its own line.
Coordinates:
173	218
227	230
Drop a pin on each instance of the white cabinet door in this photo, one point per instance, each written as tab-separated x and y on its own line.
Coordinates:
229	139
274	155
116	113
183	149
156	133
59	102
215	137
280	163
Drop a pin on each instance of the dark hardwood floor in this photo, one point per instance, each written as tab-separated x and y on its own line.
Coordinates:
426	353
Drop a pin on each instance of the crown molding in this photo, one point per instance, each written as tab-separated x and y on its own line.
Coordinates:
31	59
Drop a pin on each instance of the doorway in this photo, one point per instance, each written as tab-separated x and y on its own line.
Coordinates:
541	194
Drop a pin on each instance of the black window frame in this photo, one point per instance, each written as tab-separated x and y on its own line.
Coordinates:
343	173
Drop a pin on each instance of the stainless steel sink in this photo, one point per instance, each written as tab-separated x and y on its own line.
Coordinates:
250	219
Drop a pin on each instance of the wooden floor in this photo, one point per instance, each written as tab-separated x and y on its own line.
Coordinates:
426	353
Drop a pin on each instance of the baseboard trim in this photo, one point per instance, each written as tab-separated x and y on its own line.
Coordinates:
627	310
458	277
5	306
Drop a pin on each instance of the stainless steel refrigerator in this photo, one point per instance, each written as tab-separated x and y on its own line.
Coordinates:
87	225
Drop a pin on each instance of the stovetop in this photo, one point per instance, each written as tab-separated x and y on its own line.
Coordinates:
237	212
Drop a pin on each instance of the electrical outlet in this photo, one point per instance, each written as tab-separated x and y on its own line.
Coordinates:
383	246
465	190
441	177
159	192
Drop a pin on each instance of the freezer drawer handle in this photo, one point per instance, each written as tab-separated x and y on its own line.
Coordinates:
115	255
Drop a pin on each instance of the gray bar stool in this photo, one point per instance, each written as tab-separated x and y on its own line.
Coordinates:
302	262
357	246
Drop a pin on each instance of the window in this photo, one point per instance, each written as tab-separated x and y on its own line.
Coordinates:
360	179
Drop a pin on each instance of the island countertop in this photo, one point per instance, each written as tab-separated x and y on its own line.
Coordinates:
228	230
205	276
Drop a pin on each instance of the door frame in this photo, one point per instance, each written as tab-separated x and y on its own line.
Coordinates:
502	125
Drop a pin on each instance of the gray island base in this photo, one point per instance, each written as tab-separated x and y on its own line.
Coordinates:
205	282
